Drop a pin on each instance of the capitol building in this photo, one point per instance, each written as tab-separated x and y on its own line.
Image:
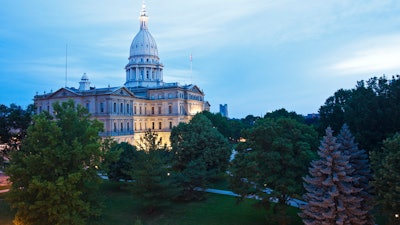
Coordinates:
144	102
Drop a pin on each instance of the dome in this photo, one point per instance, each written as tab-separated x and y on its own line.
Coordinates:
143	45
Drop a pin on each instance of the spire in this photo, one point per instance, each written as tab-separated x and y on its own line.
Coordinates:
143	17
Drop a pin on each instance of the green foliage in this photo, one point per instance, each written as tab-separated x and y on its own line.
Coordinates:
199	153
275	155
229	128
283	113
153	182
387	177
332	196
119	161
370	109
54	176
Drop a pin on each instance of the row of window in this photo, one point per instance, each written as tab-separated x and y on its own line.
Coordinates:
153	111
139	127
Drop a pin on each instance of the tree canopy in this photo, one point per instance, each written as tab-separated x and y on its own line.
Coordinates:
370	109
54	175
387	177
199	152
153	181
275	156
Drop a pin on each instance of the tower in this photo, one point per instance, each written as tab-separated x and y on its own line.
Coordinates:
144	68
223	109
84	84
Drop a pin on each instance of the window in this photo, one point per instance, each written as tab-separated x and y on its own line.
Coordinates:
115	127
140	126
140	110
115	107
159	125
152	126
145	111
134	108
101	107
127	126
152	110
40	109
127	108
159	110
122	127
135	126
170	109
122	108
170	124
147	74
87	106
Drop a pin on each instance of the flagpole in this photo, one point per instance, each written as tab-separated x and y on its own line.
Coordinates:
191	68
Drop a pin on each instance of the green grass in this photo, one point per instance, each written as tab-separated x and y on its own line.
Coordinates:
122	208
6	215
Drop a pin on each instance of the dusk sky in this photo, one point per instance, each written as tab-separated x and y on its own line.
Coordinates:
254	55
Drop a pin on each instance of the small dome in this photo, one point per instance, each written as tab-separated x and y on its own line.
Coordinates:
85	77
143	45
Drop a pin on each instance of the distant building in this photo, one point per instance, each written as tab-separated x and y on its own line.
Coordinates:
223	109
144	102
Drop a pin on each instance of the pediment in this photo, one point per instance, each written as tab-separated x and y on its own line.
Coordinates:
196	89
63	93
123	91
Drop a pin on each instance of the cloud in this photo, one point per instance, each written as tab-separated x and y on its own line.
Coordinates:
375	55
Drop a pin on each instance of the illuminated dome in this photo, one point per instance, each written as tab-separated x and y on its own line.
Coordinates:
143	45
144	68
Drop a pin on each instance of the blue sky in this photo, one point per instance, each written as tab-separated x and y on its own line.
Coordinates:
254	55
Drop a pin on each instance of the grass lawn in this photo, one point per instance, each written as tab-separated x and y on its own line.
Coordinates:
121	208
6	215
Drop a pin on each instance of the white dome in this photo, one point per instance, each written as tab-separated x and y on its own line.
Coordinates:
143	45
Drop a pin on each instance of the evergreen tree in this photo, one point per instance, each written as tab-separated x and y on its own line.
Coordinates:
331	194
153	182
54	175
199	153
387	178
360	163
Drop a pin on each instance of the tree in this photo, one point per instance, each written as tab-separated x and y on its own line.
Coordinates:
199	153
120	168
387	177
153	182
370	109
359	161
331	194
283	113
54	175
274	156
14	122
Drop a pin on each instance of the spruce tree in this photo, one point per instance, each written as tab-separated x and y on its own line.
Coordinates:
360	163
330	189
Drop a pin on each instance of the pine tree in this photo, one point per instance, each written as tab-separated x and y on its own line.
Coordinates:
330	190
154	184
360	163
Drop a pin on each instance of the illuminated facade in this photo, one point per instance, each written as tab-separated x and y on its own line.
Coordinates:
144	102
